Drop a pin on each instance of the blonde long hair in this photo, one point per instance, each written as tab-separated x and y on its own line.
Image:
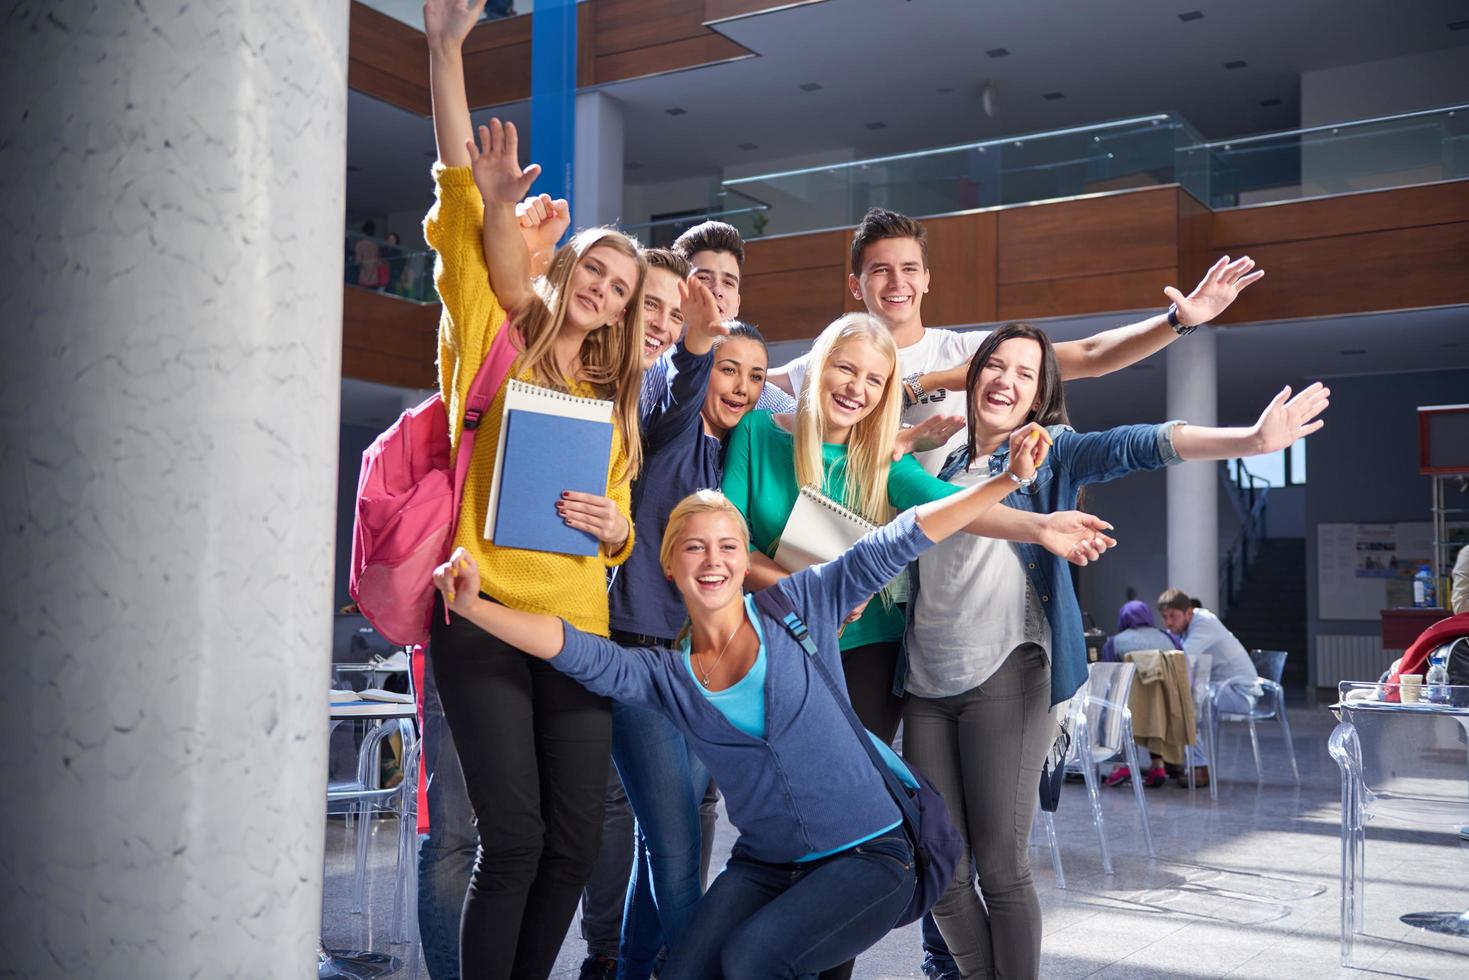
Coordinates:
611	356
870	445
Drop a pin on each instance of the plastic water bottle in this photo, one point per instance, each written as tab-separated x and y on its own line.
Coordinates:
1423	588
1436	683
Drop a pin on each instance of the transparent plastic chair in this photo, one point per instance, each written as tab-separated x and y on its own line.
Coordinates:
1266	700
1101	726
1406	763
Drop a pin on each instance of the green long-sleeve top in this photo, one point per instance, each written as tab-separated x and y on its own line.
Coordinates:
760	479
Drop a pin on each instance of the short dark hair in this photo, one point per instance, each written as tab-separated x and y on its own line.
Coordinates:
1175	599
880	223
667	259
711	236
1049	392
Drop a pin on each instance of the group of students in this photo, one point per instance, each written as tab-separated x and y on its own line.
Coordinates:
541	670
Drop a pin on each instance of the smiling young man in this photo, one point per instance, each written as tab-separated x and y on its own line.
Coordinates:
890	275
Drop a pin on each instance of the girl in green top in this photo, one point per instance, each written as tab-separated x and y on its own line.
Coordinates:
840	439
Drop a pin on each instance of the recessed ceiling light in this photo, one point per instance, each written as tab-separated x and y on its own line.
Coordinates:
877	125
1053	96
676	111
1268	103
1232	65
747	146
1459	25
810	86
945	89
997	52
1191	15
1353	351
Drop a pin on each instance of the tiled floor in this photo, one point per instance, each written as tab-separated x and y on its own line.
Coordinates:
1246	887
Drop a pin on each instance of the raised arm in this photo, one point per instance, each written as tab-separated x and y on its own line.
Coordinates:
446	23
1284	420
458	582
502	183
542	223
1114	349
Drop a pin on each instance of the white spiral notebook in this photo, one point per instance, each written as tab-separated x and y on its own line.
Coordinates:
819	530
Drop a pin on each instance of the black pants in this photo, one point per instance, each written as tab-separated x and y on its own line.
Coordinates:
534	746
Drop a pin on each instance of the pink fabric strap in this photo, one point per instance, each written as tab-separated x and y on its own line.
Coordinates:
491	375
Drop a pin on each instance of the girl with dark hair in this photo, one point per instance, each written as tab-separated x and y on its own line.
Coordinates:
984	679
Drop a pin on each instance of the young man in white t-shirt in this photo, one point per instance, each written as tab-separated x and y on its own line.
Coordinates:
890	276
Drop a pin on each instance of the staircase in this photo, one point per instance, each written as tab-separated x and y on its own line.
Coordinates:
1269	610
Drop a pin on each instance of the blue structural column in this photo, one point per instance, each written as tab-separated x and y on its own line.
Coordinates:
553	95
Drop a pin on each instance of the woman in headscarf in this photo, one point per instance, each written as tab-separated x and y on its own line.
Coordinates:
1136	631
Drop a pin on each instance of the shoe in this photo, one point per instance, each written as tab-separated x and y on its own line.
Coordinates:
598	967
1120	776
1155	777
1201	777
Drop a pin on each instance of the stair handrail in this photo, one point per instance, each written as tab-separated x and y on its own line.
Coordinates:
1250	494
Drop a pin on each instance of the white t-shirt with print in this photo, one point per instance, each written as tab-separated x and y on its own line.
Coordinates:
938	350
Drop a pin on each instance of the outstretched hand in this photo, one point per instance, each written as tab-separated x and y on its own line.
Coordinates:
1076	536
448	22
932	433
496	164
542	222
700	309
1221	284
458	581
1287	419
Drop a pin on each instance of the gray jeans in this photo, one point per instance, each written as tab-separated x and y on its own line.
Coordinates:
983	750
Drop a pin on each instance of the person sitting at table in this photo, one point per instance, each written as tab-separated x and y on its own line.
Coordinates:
1200	631
1135	631
823	867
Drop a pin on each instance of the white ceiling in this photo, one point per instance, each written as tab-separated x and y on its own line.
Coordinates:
885	61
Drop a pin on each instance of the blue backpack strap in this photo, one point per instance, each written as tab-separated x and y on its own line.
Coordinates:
777	605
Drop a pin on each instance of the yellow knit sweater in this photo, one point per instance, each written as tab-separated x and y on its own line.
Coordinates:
569	586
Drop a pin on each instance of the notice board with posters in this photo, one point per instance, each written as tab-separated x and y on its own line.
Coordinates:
1362	569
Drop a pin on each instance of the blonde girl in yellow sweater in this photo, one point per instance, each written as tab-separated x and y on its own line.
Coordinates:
533	744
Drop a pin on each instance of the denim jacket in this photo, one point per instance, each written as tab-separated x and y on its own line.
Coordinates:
1076	459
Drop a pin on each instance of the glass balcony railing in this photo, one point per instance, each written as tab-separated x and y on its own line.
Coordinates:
1413	148
373	263
746	213
1364	155
1080	160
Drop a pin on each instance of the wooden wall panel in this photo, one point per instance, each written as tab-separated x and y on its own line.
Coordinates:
388	60
626	25
791	285
388	340
962	256
1120	232
1195	222
1347	214
1138	290
1402	268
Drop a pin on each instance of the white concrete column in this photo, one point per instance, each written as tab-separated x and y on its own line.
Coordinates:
172	232
1193	488
597	196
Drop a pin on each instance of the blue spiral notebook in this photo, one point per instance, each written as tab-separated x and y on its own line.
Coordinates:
549	442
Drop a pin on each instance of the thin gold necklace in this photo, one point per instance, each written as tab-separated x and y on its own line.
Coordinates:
722	651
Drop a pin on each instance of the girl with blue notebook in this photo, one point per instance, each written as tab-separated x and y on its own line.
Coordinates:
533	745
822	867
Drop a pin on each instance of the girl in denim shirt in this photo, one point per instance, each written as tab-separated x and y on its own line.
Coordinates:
822	868
984	679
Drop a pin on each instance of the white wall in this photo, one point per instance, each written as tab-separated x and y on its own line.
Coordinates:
1381	88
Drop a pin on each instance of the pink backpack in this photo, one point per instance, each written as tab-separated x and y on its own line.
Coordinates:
408	504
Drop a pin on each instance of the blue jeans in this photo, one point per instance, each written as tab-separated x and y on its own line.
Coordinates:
795	920
665	783
446	853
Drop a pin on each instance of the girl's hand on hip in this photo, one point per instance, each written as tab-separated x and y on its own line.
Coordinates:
596	515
